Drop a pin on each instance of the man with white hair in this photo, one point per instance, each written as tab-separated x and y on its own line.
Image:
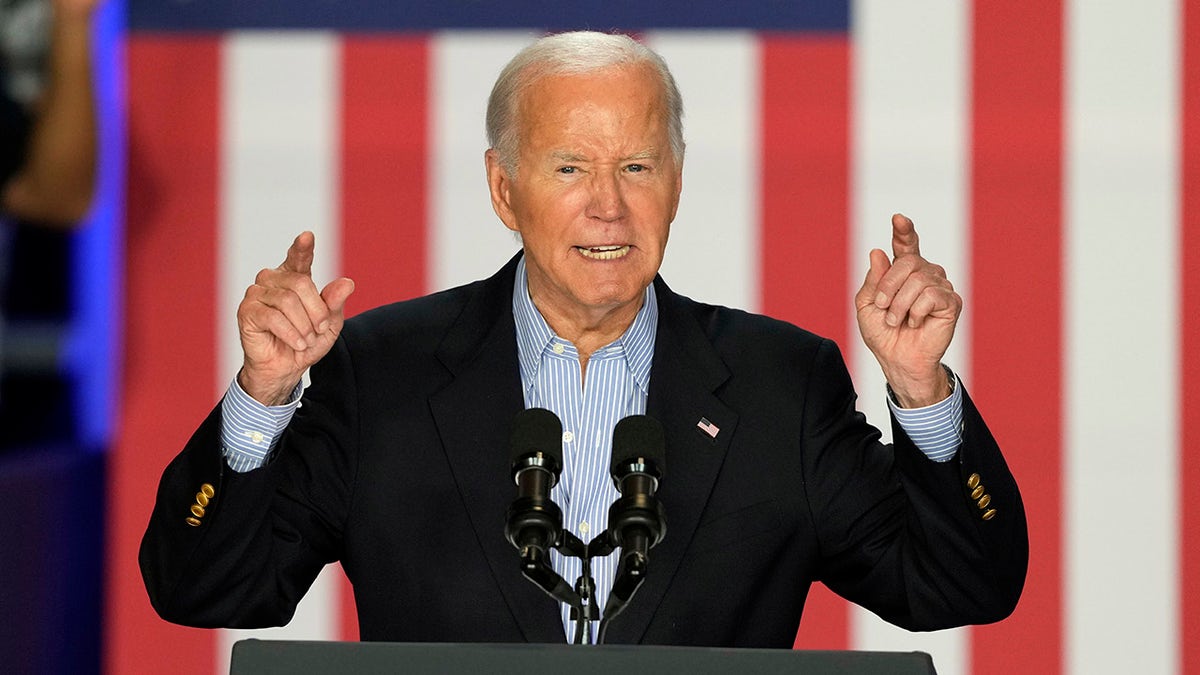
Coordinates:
395	460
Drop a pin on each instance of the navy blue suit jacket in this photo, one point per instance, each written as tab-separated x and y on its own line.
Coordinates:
396	464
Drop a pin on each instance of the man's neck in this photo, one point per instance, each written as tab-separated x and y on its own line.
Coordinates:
589	331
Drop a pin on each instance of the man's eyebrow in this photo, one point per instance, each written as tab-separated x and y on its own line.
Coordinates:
649	153
567	156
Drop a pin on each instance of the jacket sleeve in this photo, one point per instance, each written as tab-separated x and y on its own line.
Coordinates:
925	545
239	550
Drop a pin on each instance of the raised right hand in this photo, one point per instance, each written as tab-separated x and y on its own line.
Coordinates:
285	325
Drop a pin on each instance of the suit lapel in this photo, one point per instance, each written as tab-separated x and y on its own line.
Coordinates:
686	372
474	416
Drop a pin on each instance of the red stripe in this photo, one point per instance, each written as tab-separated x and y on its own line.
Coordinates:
805	223
347	619
384	168
168	386
1189	347
385	160
805	179
1016	226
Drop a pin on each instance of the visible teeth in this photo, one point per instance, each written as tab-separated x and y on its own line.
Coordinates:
604	252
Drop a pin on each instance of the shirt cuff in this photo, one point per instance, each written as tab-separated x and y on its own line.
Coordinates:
249	429
936	429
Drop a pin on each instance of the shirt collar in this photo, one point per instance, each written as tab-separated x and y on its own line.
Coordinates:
534	334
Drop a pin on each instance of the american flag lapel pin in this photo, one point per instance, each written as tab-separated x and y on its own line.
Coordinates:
707	427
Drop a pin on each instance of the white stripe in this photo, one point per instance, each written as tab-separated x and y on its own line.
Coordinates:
1121	389
279	177
713	253
909	132
279	153
467	241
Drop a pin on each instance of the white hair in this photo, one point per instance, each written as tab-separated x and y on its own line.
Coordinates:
571	53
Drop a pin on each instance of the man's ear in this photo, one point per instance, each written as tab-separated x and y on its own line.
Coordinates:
678	192
499	185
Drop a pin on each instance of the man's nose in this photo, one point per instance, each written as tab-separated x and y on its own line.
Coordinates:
607	201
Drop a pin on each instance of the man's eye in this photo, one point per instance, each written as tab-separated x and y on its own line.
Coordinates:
566	169
636	168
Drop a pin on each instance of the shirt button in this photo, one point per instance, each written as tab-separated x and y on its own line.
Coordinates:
256	437
558	348
584	528
568	437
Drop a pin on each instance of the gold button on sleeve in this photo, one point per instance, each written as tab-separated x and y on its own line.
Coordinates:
973	481
194	522
989	514
208	490
201	499
197	510
977	492
984	501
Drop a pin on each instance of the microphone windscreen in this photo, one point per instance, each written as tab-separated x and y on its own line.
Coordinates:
639	436
537	430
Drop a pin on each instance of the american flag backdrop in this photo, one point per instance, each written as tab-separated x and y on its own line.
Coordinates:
1048	150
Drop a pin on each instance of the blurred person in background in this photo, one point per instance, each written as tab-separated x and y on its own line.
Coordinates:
47	178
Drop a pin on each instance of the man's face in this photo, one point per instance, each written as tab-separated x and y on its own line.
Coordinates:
595	192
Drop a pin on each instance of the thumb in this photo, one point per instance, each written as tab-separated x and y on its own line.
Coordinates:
336	292
879	265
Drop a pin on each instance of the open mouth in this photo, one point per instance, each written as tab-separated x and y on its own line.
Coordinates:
603	252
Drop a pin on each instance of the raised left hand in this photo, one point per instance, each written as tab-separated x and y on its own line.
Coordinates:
65	10
907	311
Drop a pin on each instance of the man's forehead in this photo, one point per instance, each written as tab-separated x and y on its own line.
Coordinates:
587	109
551	82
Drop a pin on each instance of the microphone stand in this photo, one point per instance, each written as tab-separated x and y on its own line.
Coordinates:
631	572
535	566
585	589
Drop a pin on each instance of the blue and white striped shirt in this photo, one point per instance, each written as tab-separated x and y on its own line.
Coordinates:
616	386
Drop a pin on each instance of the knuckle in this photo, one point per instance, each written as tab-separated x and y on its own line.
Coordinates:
907	263
892	280
299	283
285	278
281	327
269	296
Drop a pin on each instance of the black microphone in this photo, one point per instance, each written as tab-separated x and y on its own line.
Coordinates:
534	522
637	521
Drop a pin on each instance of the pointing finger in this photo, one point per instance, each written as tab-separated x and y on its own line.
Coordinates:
904	237
300	254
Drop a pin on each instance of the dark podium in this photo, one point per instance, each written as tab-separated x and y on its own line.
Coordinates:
267	657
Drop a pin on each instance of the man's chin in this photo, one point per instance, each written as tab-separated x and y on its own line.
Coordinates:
600	297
